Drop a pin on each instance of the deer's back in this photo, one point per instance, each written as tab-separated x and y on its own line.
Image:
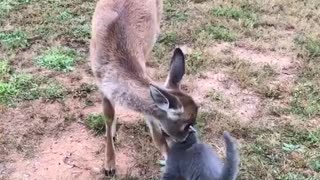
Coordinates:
123	33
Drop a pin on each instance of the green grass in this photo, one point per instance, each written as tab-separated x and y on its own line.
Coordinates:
315	164
4	69
168	39
214	32
9	5
96	123
23	87
54	91
84	90
257	79
305	100
57	58
247	17
195	63
311	45
269	149
15	39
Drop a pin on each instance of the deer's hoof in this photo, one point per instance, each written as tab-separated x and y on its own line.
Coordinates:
110	172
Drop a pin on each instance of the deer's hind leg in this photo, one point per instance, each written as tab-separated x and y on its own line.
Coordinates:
110	123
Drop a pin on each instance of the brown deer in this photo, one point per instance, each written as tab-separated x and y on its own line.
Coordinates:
123	35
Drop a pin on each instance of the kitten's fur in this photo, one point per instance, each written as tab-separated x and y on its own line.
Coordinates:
193	160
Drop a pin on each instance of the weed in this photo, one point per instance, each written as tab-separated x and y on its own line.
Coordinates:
96	123
57	58
15	39
315	164
6	92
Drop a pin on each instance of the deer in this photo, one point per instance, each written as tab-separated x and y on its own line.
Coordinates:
124	33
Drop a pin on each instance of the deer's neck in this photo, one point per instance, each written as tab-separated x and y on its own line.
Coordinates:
132	94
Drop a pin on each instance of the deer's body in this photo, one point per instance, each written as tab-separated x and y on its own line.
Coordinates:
123	35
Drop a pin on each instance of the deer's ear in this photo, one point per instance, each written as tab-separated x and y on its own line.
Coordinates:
177	70
163	99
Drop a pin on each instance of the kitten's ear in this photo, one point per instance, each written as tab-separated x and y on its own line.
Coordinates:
177	70
163	99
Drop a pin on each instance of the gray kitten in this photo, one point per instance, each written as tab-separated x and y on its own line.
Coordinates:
193	160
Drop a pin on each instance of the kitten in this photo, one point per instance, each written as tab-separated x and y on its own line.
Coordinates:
193	160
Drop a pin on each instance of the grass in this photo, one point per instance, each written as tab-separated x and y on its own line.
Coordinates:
96	123
306	100
8	5
217	33
244	16
25	87
15	39
311	45
84	90
195	62
275	147
4	69
57	58
257	79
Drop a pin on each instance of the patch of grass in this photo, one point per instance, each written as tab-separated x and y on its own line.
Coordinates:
8	5
305	100
292	176
219	99
82	31
4	69
248	18
195	62
176	15
15	39
96	123
168	38
315	164
217	32
22	87
311	45
267	149
58	58
255	78
65	16
84	90
54	91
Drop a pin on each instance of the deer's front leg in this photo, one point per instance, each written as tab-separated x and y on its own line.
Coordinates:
157	136
110	163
